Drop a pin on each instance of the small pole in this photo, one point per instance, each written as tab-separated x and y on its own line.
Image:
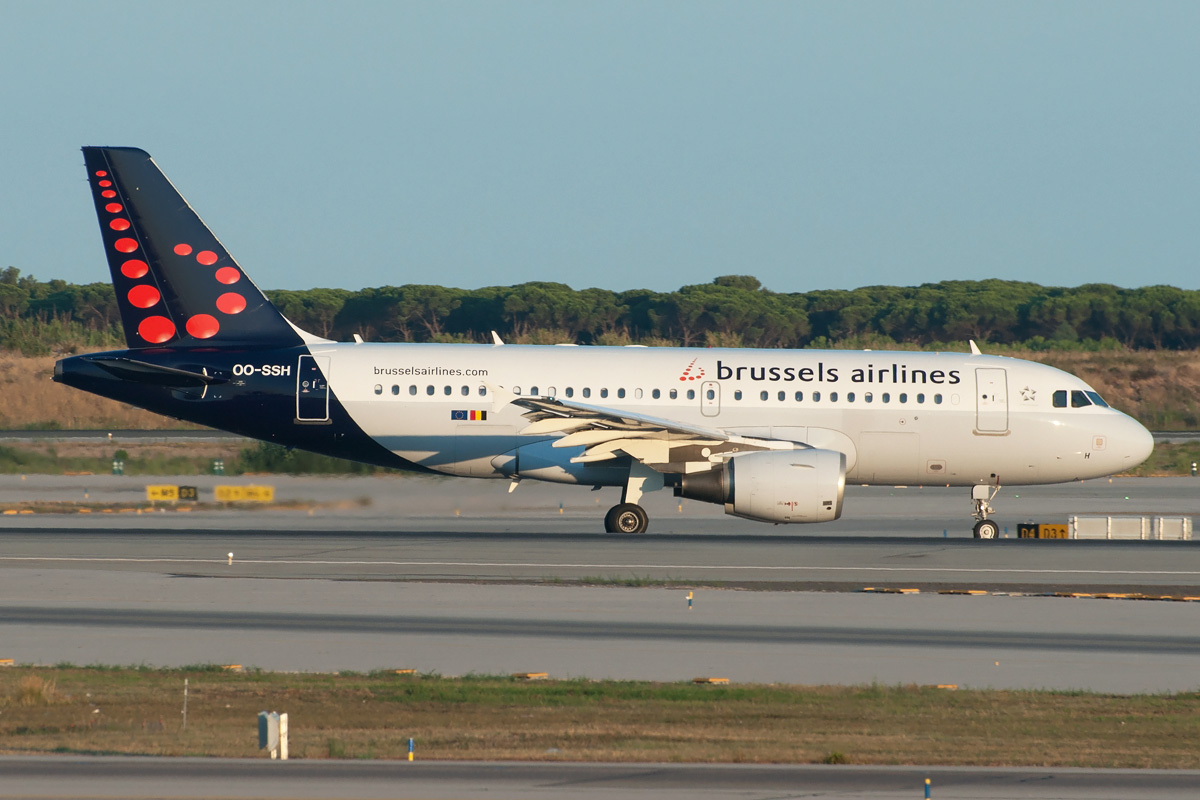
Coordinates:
927	795
283	737
560	508
185	698
410	749
231	559
944	534
689	601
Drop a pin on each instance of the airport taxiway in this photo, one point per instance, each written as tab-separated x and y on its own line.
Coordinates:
336	589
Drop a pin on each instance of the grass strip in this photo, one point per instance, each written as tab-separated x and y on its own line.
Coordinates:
69	709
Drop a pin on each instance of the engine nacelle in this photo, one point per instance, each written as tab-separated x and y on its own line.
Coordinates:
774	485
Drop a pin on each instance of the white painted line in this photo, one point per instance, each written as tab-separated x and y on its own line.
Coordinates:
552	565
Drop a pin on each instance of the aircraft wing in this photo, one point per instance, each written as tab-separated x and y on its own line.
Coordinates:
605	433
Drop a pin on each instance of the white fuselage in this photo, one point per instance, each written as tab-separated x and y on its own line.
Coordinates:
899	417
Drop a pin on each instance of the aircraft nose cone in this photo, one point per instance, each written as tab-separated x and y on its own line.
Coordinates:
1136	443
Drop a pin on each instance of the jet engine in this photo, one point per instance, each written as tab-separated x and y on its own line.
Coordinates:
774	485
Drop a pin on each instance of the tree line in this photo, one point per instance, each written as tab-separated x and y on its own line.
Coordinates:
735	310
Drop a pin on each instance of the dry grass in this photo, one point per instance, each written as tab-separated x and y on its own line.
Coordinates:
33	400
35	691
354	716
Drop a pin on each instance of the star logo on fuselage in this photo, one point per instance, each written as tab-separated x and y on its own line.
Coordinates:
1028	395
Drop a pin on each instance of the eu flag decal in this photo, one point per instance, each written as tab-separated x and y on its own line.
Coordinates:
461	415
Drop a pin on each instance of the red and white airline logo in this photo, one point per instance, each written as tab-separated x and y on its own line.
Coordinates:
692	373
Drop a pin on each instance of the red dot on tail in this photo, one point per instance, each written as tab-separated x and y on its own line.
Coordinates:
106	184
203	326
206	257
231	303
183	249
113	208
134	268
144	295
228	275
119	224
156	330
125	245
101	173
108	193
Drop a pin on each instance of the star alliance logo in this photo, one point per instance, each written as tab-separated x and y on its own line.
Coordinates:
1028	395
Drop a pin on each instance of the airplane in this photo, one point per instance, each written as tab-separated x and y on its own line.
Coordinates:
770	435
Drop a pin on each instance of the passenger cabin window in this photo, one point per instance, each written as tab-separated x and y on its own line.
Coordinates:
711	394
587	392
447	391
429	390
412	389
604	392
782	396
483	391
937	399
570	392
691	394
674	394
378	388
395	389
849	397
762	395
533	390
621	393
466	391
1060	398
656	394
816	397
799	396
904	397
920	397
737	394
833	397
516	390
551	392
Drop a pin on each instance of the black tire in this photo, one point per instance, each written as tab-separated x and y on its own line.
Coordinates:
626	518
987	529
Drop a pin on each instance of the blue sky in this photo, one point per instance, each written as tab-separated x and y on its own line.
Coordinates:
622	144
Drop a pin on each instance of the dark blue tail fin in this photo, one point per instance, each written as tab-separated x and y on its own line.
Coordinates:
176	285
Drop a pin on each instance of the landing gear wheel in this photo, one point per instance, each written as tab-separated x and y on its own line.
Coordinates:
626	518
987	529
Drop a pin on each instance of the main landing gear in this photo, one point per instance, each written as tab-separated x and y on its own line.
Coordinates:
981	497
629	517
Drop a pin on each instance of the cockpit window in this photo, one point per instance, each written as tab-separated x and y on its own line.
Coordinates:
1097	399
1060	399
1079	399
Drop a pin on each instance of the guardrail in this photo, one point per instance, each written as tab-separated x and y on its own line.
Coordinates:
1130	527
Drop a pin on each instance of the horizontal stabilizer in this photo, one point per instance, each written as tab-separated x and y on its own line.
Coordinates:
143	372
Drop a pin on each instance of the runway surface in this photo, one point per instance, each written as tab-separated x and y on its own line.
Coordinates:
74	778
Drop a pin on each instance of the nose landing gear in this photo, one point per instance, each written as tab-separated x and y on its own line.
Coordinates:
981	497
